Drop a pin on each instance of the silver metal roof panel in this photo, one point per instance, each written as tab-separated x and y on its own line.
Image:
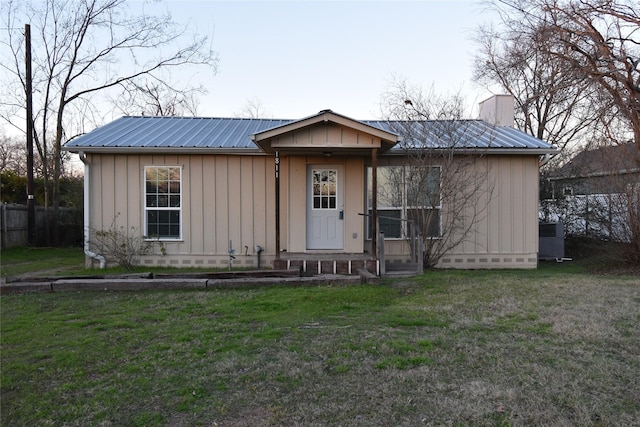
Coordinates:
173	132
462	134
197	133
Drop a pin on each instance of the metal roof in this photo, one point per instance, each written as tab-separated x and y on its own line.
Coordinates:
148	133
459	134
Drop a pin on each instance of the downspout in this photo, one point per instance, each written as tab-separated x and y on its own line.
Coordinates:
547	157
374	204
87	252
277	184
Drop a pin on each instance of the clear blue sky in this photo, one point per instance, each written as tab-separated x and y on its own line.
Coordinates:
299	57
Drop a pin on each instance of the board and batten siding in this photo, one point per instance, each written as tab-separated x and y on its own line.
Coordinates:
329	136
224	198
232	198
506	234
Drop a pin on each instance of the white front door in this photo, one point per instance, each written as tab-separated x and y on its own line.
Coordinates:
325	207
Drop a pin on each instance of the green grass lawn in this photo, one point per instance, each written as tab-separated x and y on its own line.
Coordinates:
23	260
548	347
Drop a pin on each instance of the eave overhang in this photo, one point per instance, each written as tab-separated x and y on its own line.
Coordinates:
302	150
164	150
478	151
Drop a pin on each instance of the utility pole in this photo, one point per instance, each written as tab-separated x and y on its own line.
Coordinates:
31	206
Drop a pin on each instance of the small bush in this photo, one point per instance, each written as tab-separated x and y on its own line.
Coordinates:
124	246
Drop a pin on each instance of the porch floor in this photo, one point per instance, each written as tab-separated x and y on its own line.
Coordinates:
312	263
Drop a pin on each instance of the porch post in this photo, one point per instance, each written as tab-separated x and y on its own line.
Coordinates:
277	171
374	203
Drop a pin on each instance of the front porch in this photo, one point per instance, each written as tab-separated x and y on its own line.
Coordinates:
311	264
320	192
326	262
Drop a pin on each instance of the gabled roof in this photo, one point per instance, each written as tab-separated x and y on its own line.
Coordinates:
385	139
327	116
233	135
602	161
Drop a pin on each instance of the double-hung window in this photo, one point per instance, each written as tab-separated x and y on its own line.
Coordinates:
408	197
390	200
163	202
423	198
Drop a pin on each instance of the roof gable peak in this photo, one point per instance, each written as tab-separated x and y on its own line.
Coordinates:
384	139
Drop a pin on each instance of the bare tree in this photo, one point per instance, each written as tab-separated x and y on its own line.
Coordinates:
550	103
151	98
601	41
12	155
83	49
254	109
597	44
447	186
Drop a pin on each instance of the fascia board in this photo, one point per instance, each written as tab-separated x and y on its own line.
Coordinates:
518	151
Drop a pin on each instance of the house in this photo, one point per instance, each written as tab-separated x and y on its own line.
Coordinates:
596	193
306	192
603	170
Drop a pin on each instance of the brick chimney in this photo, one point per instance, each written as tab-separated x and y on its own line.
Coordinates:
498	110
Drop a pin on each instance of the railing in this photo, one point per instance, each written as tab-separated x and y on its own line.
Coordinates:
416	244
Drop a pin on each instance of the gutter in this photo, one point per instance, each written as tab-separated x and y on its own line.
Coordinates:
478	150
87	252
164	150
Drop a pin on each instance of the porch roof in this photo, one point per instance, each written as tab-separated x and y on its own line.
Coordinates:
382	139
135	134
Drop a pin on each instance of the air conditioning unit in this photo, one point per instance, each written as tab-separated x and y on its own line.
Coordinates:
551	241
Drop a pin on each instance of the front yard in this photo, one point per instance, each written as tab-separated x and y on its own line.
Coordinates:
545	347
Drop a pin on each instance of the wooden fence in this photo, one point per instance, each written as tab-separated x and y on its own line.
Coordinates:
14	230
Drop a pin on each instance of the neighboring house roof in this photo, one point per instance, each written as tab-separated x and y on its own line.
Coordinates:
603	161
184	134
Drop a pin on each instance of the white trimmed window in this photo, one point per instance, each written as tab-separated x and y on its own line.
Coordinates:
408	196
163	202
